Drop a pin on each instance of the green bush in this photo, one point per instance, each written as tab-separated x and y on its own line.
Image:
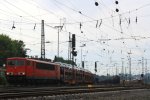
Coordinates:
3	80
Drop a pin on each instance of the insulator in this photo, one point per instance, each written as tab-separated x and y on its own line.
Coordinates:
116	2
96	23
117	10
34	26
80	25
80	12
13	26
100	23
120	22
96	3
129	20
136	19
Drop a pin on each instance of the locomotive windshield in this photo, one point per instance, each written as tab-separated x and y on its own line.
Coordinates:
16	62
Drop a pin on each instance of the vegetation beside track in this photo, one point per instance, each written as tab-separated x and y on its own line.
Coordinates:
3	80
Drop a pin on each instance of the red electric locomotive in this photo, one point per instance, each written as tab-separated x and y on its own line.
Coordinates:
25	70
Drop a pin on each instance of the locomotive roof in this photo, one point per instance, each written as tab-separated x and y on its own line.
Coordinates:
31	59
17	58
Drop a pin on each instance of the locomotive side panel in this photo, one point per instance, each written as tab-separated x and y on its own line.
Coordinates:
29	68
46	72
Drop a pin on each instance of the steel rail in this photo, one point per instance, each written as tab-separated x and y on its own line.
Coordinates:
60	91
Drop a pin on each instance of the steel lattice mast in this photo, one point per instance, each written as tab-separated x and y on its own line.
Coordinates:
42	40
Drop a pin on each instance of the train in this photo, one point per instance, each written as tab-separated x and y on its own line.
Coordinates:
21	70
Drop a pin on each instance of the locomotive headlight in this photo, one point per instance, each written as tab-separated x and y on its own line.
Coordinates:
7	73
23	73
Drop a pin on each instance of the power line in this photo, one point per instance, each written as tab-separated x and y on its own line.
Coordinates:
43	8
79	12
20	9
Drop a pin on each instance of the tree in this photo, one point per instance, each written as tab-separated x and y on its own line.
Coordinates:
10	48
61	59
18	48
5	46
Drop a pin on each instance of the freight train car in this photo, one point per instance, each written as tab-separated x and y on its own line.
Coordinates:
31	71
74	75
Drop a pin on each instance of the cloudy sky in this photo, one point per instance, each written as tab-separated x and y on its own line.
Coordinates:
109	36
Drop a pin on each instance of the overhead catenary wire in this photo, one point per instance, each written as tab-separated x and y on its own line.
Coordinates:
22	22
142	7
131	11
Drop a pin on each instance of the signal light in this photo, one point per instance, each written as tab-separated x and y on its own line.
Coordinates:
117	10
142	75
73	48
96	3
95	66
73	41
116	2
82	64
74	53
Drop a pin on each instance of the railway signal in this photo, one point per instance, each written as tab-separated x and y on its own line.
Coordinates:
74	53
83	64
73	41
95	66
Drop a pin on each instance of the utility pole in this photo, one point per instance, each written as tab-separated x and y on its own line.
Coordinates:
59	29
142	75
69	47
116	68
125	73
143	65
74	53
42	40
146	70
129	65
81	56
95	66
82	62
122	70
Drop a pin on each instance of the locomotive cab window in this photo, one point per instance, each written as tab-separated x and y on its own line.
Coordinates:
45	66
16	62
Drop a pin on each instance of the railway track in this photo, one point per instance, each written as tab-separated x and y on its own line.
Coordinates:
49	91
